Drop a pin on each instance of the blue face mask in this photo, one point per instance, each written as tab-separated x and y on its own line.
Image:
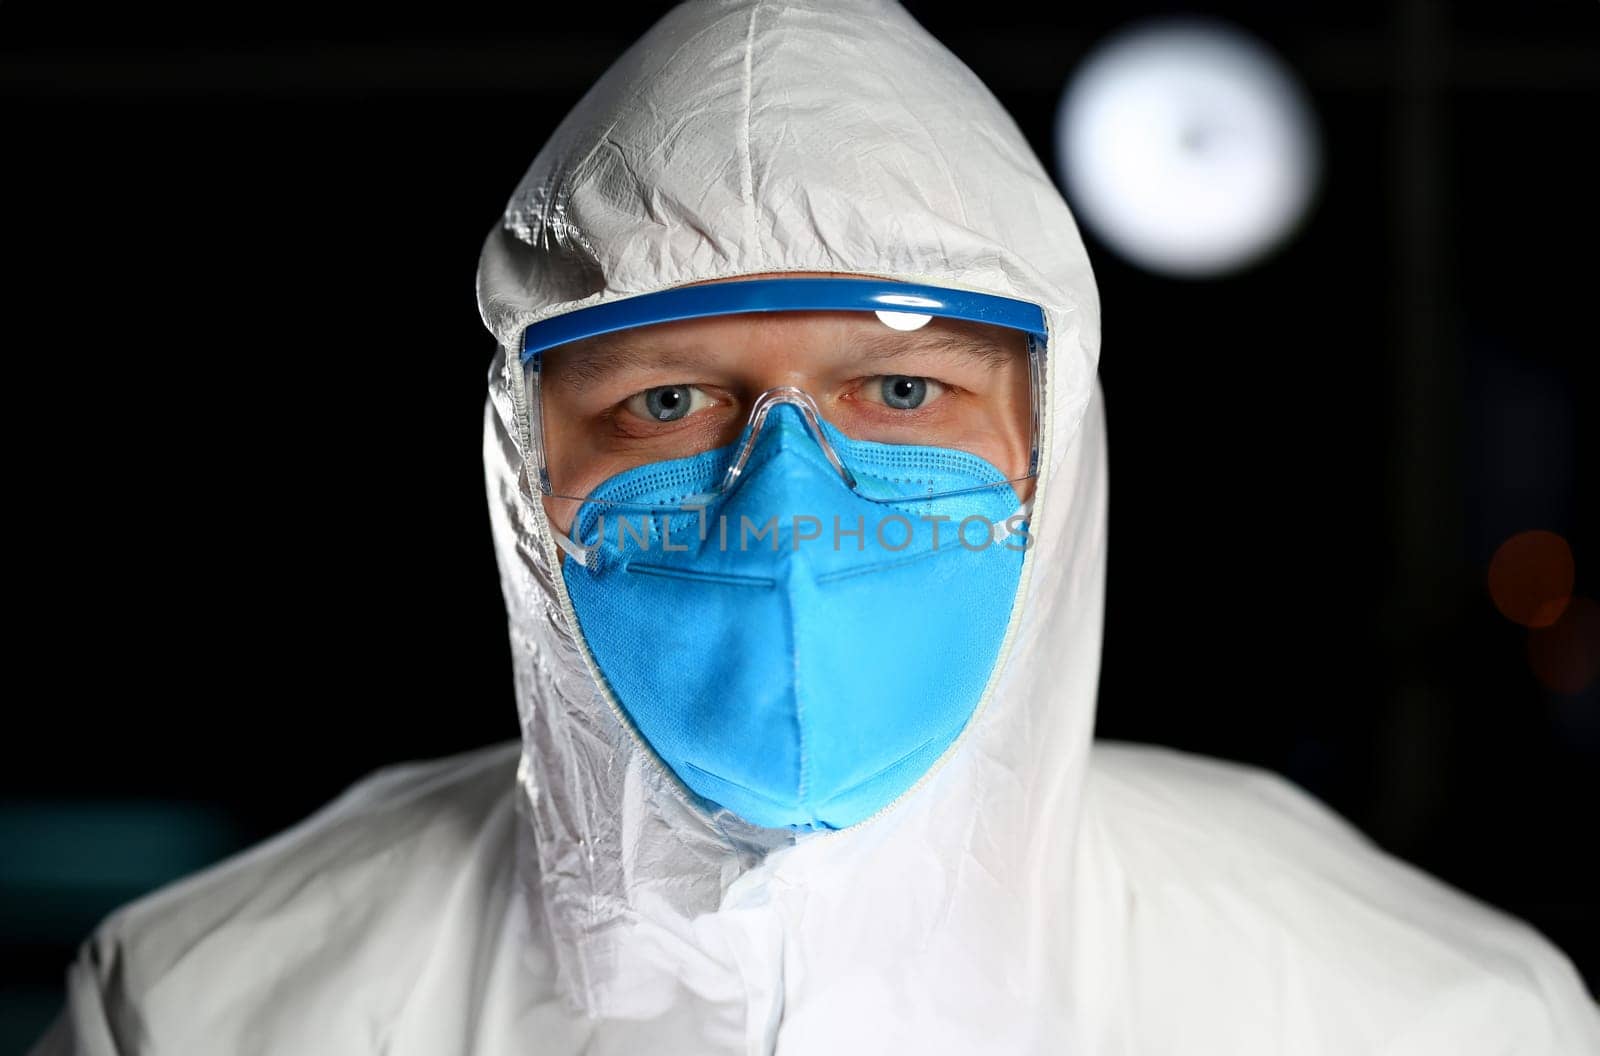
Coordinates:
794	652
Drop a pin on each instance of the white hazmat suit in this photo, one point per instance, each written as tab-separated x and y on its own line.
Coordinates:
1033	893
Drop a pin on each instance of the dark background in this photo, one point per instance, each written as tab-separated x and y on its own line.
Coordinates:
250	560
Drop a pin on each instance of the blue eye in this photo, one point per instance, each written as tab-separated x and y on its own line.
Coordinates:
668	403
904	393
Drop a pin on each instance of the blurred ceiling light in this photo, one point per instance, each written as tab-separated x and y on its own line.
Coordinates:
1187	147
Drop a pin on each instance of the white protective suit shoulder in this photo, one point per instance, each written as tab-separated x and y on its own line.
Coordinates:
1028	895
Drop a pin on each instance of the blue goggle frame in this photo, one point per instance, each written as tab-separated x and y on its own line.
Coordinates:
781	295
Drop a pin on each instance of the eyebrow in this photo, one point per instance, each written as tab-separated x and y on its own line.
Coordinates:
951	342
619	352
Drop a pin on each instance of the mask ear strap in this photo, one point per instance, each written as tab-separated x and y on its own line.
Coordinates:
568	547
1001	533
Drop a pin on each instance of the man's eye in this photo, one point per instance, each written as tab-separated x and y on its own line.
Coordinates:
903	392
667	403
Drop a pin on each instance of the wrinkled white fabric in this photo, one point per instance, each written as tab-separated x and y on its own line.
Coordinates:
1030	895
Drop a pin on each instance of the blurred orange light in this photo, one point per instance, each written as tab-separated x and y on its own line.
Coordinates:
1566	655
1531	577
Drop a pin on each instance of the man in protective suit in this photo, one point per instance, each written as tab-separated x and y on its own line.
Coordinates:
814	793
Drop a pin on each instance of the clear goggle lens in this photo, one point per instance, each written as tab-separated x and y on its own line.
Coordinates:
907	406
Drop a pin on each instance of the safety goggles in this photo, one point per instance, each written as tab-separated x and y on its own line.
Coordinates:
885	376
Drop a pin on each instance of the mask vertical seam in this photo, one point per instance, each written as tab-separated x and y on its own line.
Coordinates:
799	700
